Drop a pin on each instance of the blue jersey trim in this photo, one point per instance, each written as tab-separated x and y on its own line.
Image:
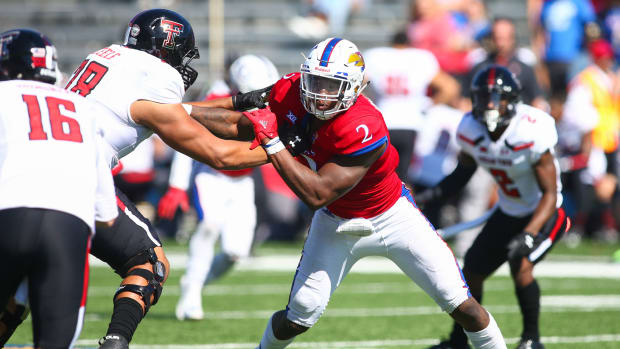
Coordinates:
370	147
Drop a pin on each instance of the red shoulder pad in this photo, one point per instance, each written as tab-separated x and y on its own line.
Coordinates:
283	88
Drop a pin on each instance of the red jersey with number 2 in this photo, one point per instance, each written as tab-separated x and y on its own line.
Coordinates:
357	131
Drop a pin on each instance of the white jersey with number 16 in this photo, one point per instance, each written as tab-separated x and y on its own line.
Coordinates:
51	152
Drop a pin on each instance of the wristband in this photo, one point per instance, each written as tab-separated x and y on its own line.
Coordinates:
273	146
187	107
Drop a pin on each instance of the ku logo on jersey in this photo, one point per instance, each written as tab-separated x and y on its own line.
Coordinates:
173	29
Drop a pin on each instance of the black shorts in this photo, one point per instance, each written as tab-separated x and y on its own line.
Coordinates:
490	249
50	248
125	243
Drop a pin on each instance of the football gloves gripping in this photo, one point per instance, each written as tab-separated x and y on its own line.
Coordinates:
252	99
264	123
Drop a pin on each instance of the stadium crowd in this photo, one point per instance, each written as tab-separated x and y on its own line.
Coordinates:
421	81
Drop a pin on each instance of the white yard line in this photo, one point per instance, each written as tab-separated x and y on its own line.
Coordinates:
559	269
367	344
550	304
405	286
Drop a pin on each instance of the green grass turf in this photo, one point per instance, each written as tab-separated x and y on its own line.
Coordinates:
257	294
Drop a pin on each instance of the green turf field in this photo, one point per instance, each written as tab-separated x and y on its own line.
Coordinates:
367	311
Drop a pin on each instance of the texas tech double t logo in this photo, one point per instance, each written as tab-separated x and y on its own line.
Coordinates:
173	29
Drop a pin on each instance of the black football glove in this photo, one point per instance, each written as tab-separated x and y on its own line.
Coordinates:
296	138
253	99
521	245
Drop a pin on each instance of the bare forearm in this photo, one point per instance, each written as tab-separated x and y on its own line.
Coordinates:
544	211
224	102
222	122
231	155
304	182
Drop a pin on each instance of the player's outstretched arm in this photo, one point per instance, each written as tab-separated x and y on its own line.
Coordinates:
223	102
227	124
547	181
332	181
177	129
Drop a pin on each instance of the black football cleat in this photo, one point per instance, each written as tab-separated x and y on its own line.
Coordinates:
113	341
448	345
530	344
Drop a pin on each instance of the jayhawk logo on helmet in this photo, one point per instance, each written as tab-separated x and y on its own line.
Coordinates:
357	60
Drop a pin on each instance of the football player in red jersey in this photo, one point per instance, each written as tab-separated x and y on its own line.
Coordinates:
344	169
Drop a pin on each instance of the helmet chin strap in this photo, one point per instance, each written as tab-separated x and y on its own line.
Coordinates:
491	119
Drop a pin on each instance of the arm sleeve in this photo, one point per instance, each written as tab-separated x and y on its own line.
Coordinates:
105	197
180	171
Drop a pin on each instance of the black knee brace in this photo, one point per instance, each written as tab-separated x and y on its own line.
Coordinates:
153	288
154	278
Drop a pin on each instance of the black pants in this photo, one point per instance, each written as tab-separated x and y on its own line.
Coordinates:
490	249
50	248
130	236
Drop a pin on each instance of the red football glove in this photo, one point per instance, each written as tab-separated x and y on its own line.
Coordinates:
265	125
173	199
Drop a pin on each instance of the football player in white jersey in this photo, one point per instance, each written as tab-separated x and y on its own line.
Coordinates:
401	76
143	82
54	185
220	198
515	143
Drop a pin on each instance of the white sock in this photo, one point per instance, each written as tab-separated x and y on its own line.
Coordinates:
201	251
488	338
269	340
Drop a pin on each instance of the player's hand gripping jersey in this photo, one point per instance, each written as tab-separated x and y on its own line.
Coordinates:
356	131
117	76
45	129
509	160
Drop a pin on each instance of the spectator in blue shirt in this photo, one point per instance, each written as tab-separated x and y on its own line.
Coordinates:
564	24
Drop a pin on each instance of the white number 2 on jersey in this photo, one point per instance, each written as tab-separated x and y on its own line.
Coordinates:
367	135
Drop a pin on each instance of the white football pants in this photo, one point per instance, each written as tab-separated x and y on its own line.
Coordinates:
402	234
229	213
